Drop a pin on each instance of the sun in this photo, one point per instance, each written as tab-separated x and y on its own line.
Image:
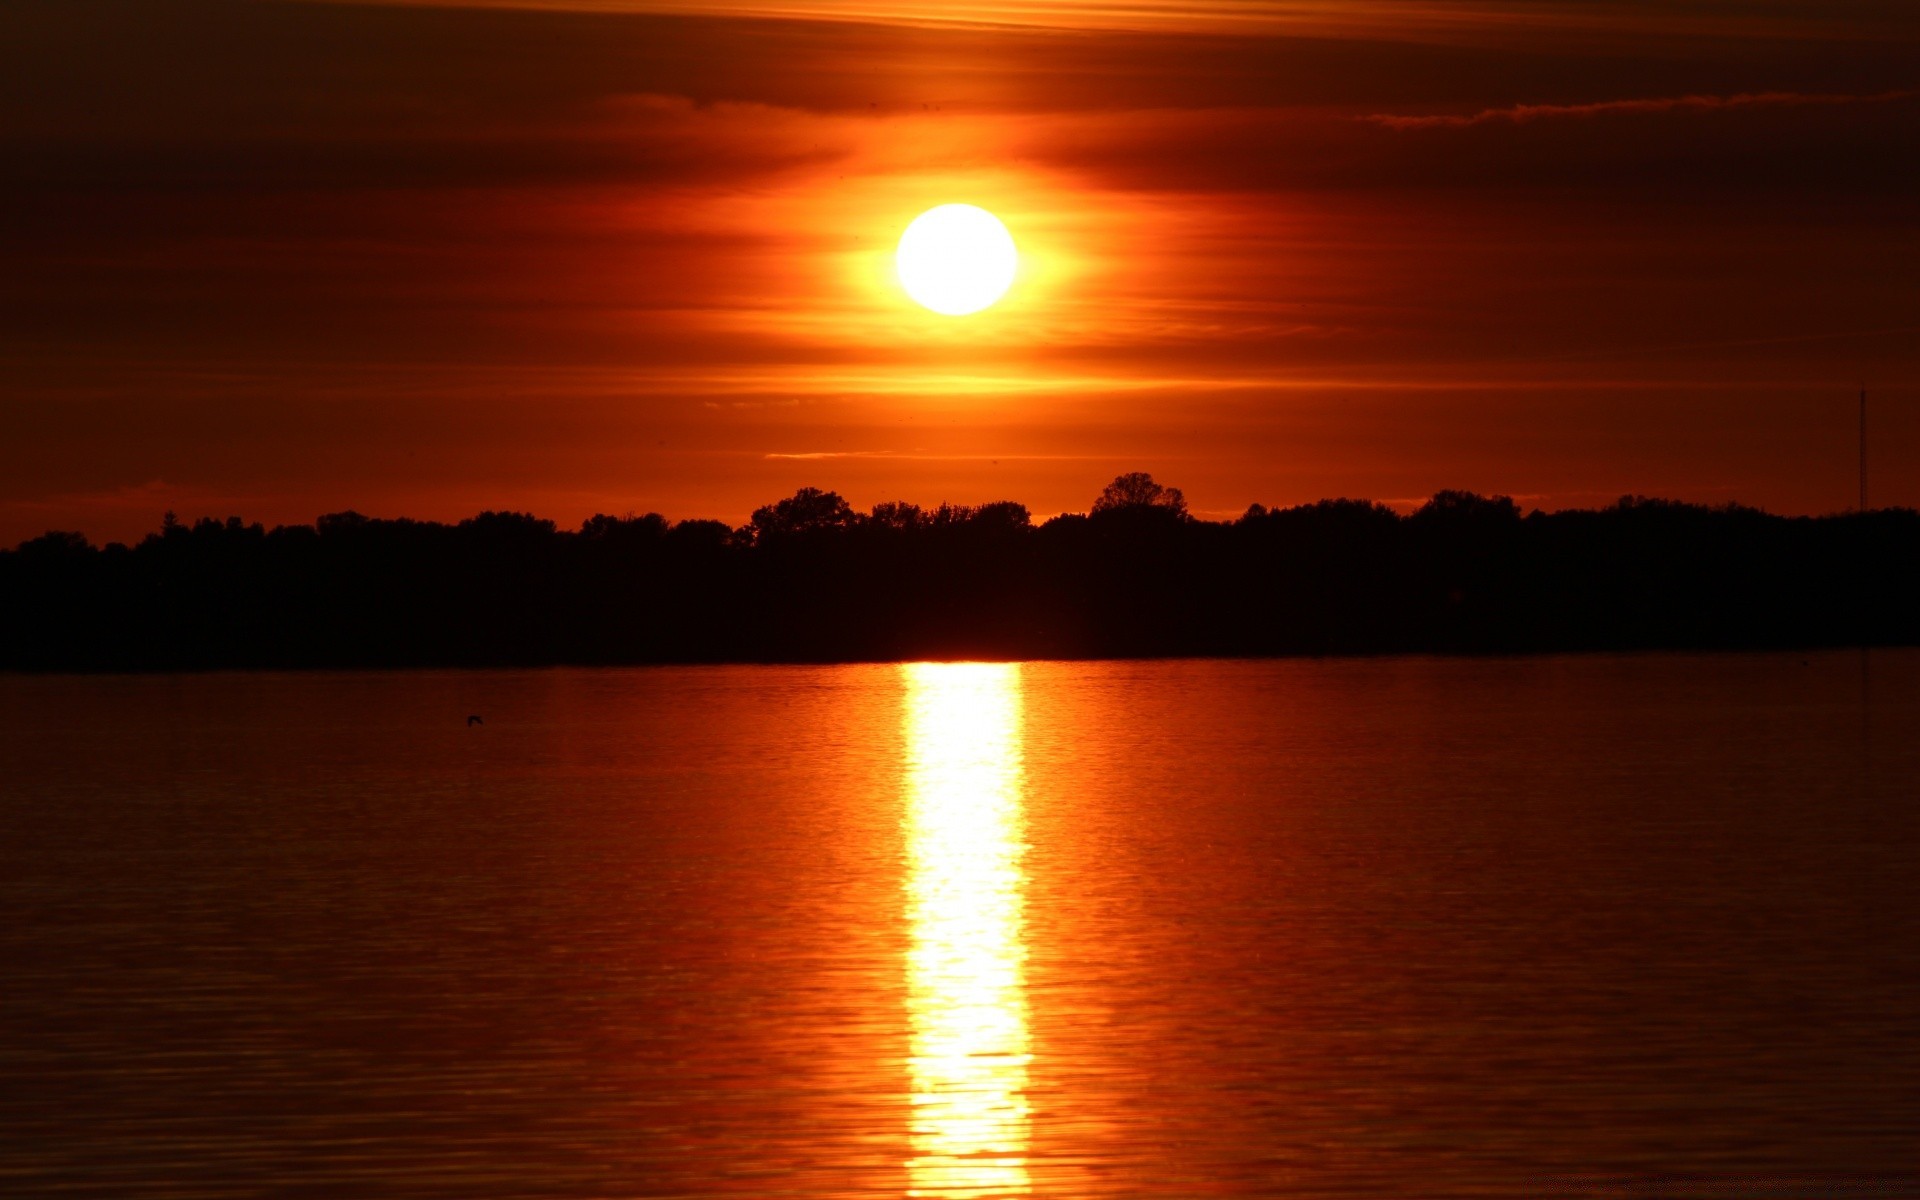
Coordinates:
956	259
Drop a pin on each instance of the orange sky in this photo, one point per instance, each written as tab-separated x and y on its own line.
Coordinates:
278	259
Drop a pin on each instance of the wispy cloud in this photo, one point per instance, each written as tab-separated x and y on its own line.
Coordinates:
1397	19
153	496
1520	114
916	456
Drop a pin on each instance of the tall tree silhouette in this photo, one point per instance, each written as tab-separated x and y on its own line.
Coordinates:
1136	489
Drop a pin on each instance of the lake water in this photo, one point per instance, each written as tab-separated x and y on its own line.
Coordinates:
1612	925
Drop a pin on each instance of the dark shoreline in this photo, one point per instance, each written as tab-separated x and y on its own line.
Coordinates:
811	581
670	664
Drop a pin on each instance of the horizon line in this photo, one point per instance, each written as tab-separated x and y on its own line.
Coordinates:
1400	507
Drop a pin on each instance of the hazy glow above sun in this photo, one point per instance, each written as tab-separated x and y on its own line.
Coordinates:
956	259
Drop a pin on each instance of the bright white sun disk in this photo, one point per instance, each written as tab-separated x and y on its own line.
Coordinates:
956	259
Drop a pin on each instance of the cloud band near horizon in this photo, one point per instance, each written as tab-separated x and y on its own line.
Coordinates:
1522	113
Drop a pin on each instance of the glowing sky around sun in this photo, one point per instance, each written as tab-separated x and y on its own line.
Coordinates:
283	259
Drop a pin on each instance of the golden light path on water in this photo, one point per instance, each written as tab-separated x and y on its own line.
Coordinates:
966	836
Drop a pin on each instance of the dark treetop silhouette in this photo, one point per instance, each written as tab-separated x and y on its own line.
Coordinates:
809	578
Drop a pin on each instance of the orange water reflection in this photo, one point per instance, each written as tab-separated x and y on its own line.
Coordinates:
966	835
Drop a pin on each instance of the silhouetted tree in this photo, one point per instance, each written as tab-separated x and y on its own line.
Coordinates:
628	529
897	514
1003	514
508	525
806	511
339	523
1463	508
710	535
1136	490
55	545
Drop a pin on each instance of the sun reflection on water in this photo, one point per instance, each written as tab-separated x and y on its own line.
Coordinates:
966	835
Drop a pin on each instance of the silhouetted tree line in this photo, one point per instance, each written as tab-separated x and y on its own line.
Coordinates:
810	578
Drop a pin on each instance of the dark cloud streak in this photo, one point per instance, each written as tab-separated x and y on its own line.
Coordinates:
1520	114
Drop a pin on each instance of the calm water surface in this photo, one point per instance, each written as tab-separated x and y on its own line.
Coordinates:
1640	925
